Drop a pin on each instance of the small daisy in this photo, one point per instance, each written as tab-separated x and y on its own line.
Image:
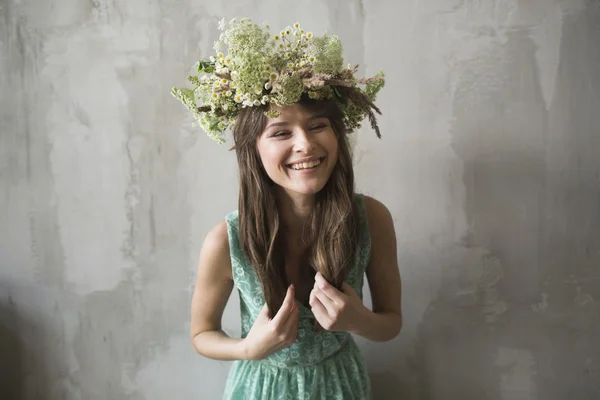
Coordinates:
273	76
296	25
220	55
268	86
309	35
276	37
238	98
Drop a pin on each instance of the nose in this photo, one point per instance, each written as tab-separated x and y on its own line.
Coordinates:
303	142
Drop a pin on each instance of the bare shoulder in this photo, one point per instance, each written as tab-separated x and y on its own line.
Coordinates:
215	251
379	216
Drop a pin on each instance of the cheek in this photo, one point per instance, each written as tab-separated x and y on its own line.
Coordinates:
271	161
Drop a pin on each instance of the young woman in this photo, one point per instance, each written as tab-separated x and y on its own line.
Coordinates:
301	241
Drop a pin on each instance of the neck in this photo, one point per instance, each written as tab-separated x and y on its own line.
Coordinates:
294	210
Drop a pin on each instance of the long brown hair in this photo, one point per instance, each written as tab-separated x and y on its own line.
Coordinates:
332	228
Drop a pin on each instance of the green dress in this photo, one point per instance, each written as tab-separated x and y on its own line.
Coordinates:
320	365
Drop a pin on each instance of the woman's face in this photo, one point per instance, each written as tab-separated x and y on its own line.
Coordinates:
298	149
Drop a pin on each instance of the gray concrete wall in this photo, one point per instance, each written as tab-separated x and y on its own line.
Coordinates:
490	165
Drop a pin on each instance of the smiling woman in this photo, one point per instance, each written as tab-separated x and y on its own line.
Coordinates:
299	245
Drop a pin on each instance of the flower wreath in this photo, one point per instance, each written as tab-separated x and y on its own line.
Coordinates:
259	69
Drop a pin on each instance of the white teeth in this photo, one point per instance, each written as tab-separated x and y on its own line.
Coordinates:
310	164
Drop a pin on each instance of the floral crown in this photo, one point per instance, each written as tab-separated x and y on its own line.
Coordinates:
259	69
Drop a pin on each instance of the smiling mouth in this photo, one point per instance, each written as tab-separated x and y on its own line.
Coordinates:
306	165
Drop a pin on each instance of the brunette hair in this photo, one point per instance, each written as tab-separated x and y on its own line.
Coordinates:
332	228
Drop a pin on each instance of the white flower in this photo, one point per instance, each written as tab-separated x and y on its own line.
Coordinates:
273	76
222	24
309	35
220	55
217	84
228	93
265	99
238	98
212	58
258	90
296	25
268	85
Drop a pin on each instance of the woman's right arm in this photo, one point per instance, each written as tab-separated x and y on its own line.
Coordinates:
214	283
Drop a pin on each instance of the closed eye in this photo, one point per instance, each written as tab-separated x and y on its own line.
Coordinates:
317	127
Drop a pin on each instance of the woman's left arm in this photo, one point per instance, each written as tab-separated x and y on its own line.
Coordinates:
344	310
384	321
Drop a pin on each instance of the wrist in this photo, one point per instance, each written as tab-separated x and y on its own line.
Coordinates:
362	319
243	350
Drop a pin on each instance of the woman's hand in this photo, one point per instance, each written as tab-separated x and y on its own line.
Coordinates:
336	310
270	335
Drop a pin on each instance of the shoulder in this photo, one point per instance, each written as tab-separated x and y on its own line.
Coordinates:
377	213
215	249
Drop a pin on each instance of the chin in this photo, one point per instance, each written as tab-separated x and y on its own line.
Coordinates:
306	190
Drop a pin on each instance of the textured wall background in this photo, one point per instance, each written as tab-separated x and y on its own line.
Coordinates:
490	164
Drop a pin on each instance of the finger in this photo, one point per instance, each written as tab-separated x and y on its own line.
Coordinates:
291	324
320	313
347	289
264	312
290	327
325	300
327	288
286	307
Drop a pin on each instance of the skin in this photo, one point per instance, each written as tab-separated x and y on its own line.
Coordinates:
296	135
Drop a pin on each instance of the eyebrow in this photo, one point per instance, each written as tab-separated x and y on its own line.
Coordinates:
284	123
